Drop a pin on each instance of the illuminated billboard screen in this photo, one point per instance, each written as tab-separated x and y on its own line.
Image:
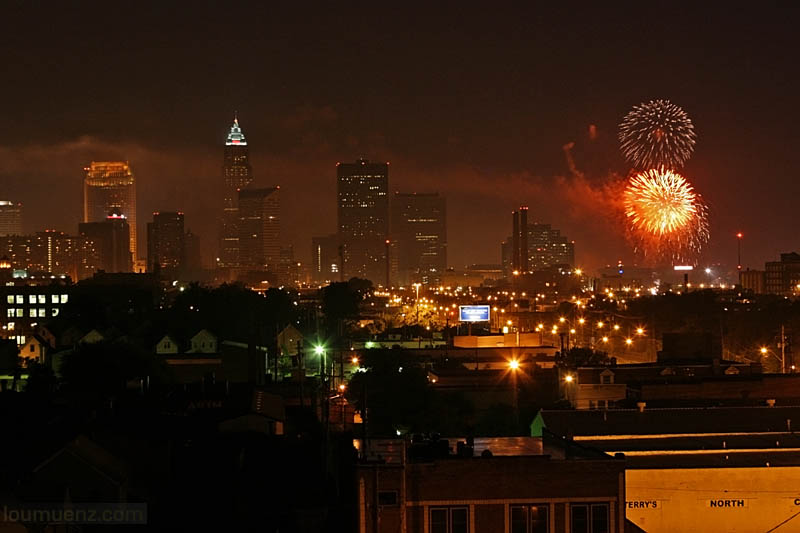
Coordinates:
473	313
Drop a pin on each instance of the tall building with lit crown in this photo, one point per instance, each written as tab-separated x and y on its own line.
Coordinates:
166	242
10	218
419	229
237	174
259	228
109	186
363	218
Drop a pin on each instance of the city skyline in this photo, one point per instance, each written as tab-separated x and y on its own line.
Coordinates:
479	148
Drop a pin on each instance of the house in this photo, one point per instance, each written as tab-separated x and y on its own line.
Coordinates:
203	342
34	349
167	346
289	339
92	337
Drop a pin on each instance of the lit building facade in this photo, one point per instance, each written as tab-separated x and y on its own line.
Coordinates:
111	240
10	218
325	258
237	174
51	252
259	228
166	242
363	218
546	247
783	277
26	302
419	230
110	187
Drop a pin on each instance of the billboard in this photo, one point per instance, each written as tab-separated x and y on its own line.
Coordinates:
473	313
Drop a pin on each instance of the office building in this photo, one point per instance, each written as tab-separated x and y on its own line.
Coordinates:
28	301
325	258
363	218
111	240
110	187
166	242
753	280
237	174
519	484
10	218
419	230
51	252
519	240
783	277
259	228
546	247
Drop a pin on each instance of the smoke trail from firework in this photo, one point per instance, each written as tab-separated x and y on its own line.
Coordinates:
657	134
667	219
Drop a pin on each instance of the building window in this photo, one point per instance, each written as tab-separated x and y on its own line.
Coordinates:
20	299
387	497
54	311
10	312
54	298
32	298
589	518
606	379
10	298
20	313
42	298
42	313
32	313
64	298
449	520
529	518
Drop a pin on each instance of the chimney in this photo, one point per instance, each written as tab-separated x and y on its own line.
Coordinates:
771	402
523	239
640	406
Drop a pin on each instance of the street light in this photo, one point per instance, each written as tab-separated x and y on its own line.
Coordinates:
568	378
640	331
513	364
628	341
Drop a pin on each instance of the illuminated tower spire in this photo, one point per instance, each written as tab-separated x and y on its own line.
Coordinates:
238	174
235	136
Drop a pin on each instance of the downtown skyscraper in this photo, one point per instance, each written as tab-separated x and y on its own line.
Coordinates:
363	218
237	174
166	243
109	187
419	230
259	228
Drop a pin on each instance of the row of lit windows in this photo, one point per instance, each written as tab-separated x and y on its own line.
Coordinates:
584	518
32	312
33	299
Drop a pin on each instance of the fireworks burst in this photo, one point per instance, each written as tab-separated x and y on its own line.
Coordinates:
667	219
657	134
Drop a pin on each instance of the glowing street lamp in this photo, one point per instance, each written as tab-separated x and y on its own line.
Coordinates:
605	339
569	378
319	349
629	341
640	331
513	364
763	350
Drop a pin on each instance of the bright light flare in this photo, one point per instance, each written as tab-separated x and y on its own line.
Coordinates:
513	364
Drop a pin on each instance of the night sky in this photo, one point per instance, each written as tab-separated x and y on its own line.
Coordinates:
473	103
